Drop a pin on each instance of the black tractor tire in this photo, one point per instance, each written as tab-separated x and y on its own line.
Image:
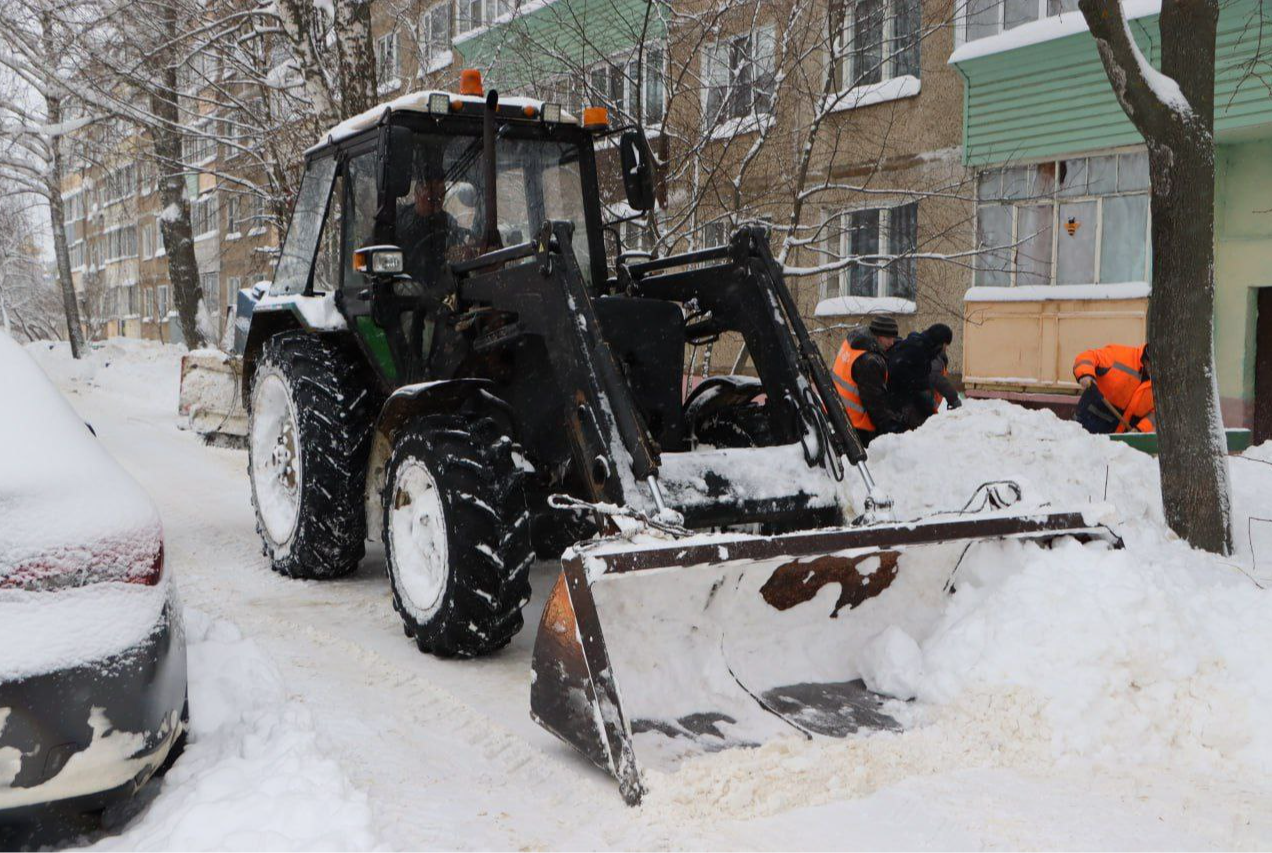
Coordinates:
554	530
330	396
471	603
738	425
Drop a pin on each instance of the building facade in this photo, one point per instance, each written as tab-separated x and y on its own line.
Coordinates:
1062	196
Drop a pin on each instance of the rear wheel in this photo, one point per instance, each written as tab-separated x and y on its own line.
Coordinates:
736	425
457	535
308	441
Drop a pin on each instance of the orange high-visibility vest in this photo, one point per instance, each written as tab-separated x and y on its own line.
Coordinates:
1139	412
847	387
1116	370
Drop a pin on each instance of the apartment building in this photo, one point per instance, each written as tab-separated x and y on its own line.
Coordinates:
1063	188
112	211
886	181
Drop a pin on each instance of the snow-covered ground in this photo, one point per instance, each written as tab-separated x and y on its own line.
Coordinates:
1070	698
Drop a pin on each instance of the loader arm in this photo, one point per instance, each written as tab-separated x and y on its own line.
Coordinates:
609	441
748	293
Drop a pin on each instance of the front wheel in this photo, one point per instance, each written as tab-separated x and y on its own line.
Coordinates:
308	440
457	535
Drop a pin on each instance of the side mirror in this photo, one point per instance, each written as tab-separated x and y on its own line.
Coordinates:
395	162
638	170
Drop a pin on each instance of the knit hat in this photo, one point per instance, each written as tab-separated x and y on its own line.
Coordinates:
883	325
939	333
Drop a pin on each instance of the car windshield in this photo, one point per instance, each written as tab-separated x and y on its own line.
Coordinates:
442	218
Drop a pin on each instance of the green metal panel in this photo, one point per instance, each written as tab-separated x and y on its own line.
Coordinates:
1053	99
561	36
1238	440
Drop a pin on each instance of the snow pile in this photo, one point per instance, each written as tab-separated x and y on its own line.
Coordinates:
1154	656
118	366
253	775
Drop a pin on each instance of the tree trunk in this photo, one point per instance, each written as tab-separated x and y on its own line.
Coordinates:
1193	449
355	57
57	214
174	219
299	19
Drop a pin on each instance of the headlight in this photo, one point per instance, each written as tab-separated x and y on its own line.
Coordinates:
386	261
439	103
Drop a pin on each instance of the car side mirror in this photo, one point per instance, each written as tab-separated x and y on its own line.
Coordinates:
638	170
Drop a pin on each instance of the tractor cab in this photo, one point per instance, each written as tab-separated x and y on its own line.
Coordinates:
395	200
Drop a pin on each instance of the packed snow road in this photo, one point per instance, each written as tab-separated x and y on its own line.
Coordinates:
315	723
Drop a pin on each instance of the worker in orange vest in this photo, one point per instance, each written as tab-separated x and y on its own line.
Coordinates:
861	378
1117	391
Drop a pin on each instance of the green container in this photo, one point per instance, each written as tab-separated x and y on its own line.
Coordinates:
1238	440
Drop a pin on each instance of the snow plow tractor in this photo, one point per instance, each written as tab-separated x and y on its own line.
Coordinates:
448	362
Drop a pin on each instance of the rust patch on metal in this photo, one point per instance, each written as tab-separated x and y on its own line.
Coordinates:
799	581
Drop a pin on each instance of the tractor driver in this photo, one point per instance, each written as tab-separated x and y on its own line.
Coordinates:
428	235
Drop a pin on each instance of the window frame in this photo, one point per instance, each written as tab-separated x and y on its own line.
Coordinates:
844	47
725	113
1055	201
1046	9
838	283
430	54
383	83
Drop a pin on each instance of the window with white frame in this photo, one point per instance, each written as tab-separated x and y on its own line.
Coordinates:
877	40
983	18
119	184
199	143
387	72
879	244
256	220
121	243
148	303
468	15
211	284
1084	220
715	234
435	36
473	14
203	212
161	300
623	83
739	72
233	224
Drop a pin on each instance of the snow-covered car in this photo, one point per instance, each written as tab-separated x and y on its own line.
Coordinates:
92	644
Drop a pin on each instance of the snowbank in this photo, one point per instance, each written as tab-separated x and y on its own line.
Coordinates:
1154	656
253	775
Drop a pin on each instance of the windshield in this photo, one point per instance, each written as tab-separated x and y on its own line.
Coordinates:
442	218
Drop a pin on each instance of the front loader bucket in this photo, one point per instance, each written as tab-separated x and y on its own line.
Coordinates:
210	396
647	654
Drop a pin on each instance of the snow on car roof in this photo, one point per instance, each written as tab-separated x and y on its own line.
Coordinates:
61	493
417	102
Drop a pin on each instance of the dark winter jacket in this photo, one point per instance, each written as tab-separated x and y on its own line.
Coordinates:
910	366
870	374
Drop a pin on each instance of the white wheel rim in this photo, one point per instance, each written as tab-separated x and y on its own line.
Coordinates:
417	540
276	462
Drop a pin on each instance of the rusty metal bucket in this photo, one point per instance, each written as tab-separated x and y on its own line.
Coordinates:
651	652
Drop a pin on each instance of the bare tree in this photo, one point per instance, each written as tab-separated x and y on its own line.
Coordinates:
1174	111
30	308
33	124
